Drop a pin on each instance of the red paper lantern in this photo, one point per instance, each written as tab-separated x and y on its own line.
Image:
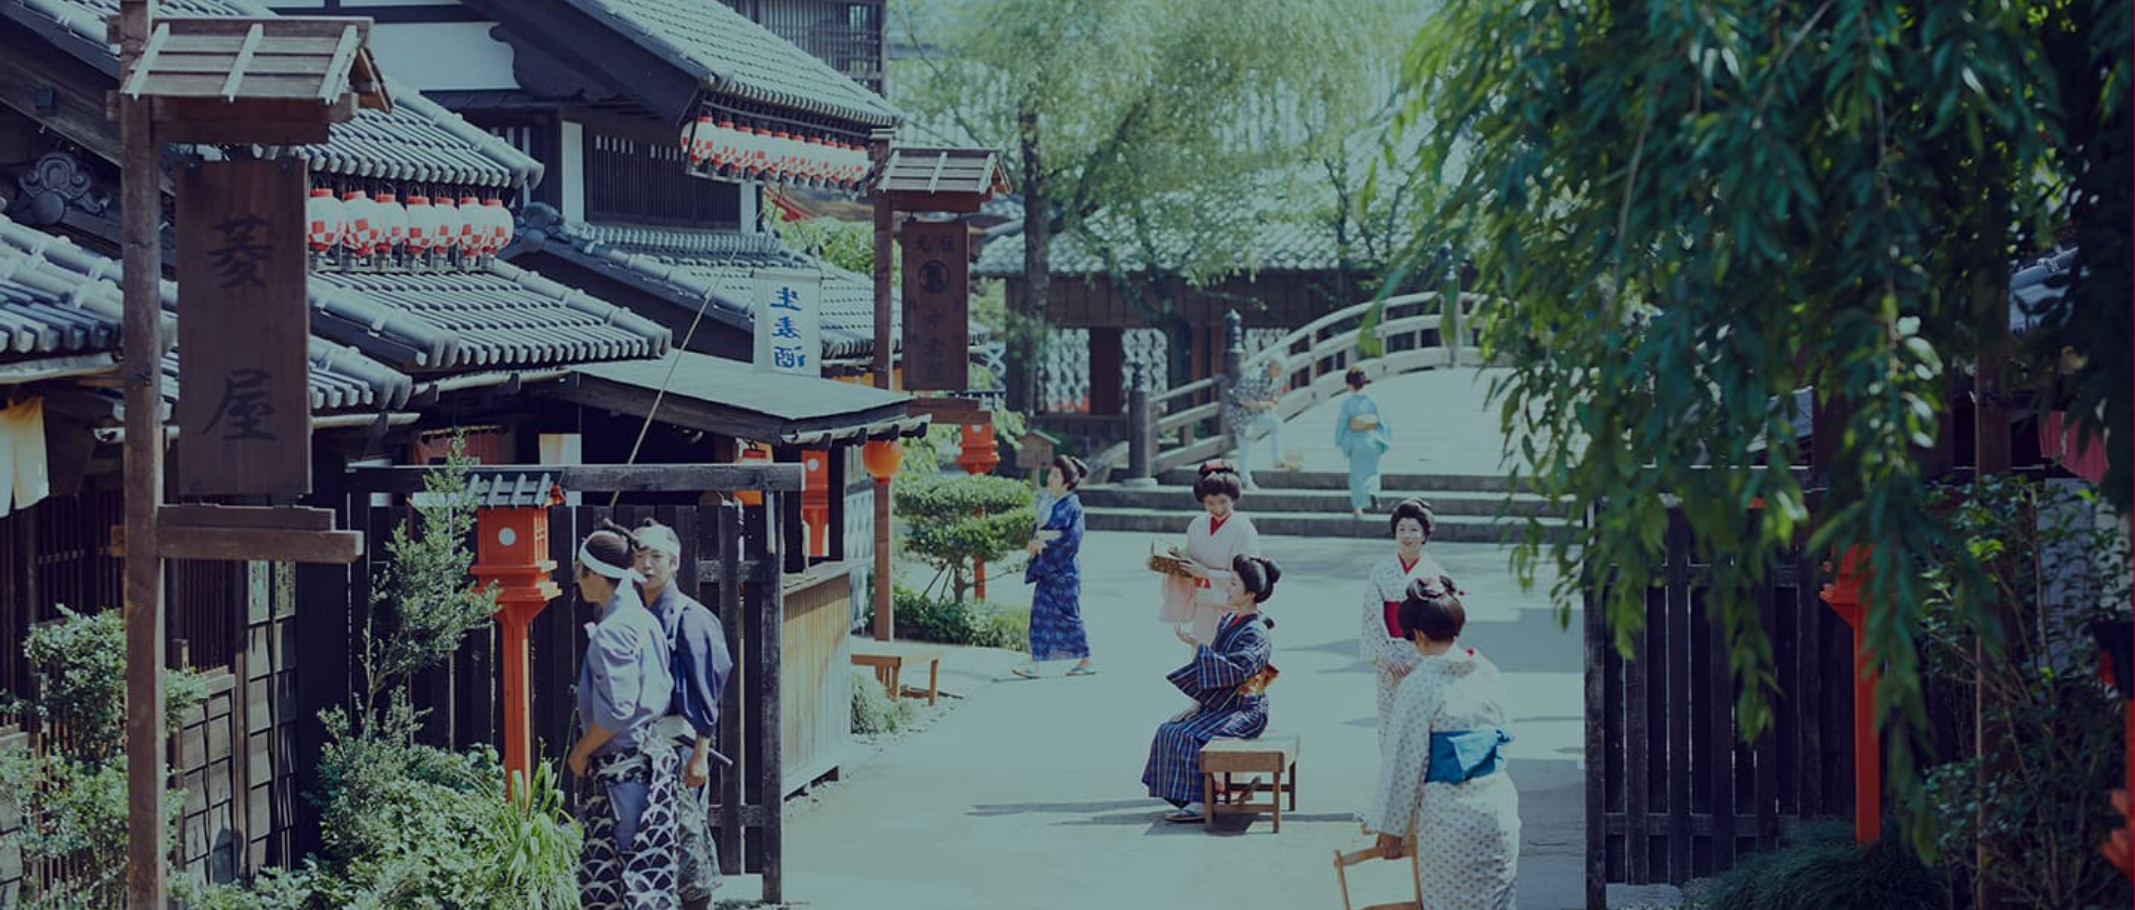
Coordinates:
882	458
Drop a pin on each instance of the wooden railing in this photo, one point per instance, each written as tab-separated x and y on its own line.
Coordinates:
1185	425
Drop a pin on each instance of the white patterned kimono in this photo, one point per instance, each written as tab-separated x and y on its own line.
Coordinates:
1467	834
1188	600
1378	643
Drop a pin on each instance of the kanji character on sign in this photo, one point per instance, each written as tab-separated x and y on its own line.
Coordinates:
787	299
245	404
238	260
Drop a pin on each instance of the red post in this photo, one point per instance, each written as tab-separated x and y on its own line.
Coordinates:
1844	596
512	545
815	500
978	455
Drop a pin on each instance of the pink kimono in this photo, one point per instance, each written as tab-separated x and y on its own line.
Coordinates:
1187	599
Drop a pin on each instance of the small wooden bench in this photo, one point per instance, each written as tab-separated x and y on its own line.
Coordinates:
888	661
1274	757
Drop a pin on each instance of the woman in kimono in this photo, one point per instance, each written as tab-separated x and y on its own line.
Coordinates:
1056	630
1228	682
1214	541
1361	435
1442	777
1382	643
625	686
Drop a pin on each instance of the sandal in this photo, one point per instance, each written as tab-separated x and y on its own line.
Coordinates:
1025	673
1083	671
1182	817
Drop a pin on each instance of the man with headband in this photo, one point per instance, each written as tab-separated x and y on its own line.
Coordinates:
701	667
624	688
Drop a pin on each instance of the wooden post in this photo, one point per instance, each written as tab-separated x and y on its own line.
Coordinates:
1990	456
885	228
885	607
1141	434
1233	354
764	663
142	257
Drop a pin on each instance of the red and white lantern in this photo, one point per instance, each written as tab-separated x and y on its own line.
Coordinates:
500	226
723	149
362	232
746	152
325	220
420	230
392	223
469	232
444	225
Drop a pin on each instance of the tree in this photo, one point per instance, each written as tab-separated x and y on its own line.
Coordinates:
956	522
1692	210
1157	134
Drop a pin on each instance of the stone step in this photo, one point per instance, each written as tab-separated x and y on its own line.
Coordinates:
1171	522
1338	480
1266	500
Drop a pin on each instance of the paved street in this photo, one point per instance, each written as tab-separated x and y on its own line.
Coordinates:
1027	795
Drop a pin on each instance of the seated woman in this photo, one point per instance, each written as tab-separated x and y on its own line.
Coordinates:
1442	773
1228	680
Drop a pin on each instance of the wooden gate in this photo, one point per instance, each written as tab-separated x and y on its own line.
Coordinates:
730	562
1672	793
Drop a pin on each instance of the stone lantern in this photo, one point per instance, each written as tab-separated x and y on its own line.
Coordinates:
511	552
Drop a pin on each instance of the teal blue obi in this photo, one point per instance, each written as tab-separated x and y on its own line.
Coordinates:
1464	755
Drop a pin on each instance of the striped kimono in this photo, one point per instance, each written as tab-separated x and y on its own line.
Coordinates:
1056	630
1225	679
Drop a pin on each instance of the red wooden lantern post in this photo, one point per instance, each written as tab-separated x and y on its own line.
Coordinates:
979	456
815	501
1844	596
512	550
882	457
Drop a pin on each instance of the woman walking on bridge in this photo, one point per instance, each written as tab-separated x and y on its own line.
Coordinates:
1361	435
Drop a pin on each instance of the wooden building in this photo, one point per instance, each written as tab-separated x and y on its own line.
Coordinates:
408	347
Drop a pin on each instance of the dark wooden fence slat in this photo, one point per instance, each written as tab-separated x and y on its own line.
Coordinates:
1767	749
1720	747
726	542
1809	701
1597	752
1677	765
1637	784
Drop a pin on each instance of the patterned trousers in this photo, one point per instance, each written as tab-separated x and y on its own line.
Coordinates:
696	854
628	810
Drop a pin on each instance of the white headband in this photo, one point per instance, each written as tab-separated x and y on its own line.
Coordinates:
605	570
661	538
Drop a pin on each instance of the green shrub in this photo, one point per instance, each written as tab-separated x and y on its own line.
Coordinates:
953	520
873	712
1007	628
1821	868
975	623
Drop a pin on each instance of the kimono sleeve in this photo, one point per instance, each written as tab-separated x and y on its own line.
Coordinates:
1245	654
1374	646
1341	424
1405	759
701	654
1067	519
618	677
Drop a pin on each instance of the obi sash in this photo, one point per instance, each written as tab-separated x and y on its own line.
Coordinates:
1460	756
1393	619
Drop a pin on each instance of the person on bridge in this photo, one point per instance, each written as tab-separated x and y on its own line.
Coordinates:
1383	643
1442	778
1361	435
1228	680
1252	416
1056	630
624	687
1213	542
702	665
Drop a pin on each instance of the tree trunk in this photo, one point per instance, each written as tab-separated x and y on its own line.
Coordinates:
1027	322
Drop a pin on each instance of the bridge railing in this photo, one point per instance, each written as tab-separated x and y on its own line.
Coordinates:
1185	425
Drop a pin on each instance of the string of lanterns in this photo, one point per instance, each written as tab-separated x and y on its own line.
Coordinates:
745	152
359	226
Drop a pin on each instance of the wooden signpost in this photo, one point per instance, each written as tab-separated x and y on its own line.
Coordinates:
193	80
937	305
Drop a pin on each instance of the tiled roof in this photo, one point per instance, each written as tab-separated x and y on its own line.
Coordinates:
58	298
693	264
418	141
1277	246
738	57
505	317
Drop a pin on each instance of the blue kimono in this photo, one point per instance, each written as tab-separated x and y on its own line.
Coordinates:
1226	707
702	666
1056	631
1362	447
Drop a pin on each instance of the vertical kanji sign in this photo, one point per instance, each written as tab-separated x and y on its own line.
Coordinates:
244	327
937	305
789	321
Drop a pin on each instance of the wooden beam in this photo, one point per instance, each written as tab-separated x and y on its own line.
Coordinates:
603	478
950	410
215	518
266	544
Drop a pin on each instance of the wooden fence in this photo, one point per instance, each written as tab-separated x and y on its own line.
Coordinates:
1672	791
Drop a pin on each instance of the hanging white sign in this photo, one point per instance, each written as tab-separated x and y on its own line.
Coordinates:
789	321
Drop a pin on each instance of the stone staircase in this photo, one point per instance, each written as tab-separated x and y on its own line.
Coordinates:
1470	508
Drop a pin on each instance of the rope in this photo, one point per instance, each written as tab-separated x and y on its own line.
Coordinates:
661	395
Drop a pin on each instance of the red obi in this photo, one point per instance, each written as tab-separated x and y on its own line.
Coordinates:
1393	620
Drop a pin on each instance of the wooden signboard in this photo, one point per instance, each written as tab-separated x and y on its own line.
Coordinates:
937	305
244	403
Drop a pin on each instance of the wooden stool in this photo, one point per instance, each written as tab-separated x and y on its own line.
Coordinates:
1342	862
887	661
1275	756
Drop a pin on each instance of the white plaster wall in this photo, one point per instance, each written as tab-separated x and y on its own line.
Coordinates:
444	56
573	171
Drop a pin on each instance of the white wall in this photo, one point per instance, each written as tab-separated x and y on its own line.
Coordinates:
444	56
573	171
